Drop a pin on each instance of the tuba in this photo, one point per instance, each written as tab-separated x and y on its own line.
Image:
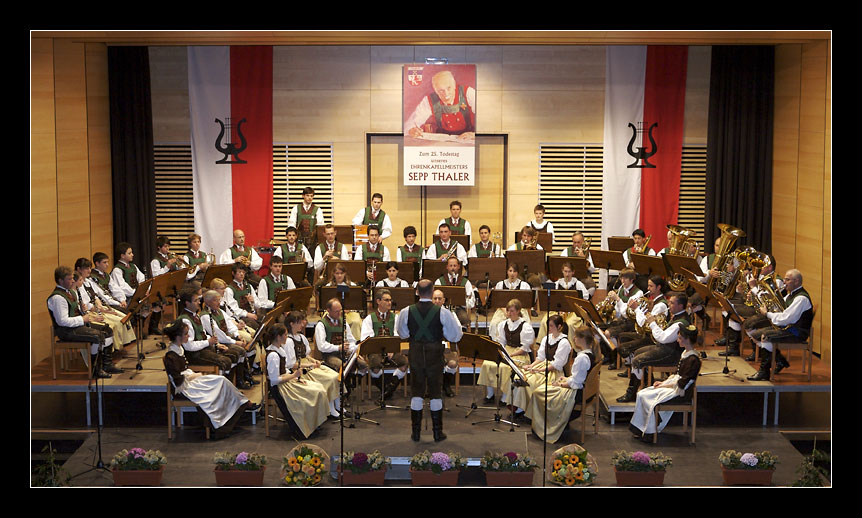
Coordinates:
766	296
680	244
725	283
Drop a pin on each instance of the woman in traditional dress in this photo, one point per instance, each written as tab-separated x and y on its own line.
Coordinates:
573	321
565	392
678	387
340	277
552	358
221	402
302	401
314	370
511	282
517	336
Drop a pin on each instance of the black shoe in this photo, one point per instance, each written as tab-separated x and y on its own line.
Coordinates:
720	342
437	425
243	385
110	368
629	396
730	352
703	354
623	374
750	357
760	375
488	400
607	360
448	380
781	363
101	374
253	407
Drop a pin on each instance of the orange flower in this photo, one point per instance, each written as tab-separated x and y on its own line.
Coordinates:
291	461
579	475
570	481
315	461
316	479
558	464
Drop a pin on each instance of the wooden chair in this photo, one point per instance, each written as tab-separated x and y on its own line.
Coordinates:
177	402
590	397
64	347
268	403
684	407
806	349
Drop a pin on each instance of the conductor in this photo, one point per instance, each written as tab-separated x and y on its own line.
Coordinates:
427	325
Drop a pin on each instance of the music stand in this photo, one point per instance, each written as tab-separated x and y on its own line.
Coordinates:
676	264
295	271
401	297
619	243
433	269
343	235
649	265
408	270
556	262
477	347
492	269
500	298
134	305
294	299
354	300
218	271
733	315
530	261
347	368
557	301
382	345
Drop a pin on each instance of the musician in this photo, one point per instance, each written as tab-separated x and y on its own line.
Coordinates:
453	277
579	249
629	342
293	251
678	387
746	310
516	334
484	247
303	402
427	325
246	333
442	249
101	276
793	324
247	255
216	323
241	297
382	323
340	277
329	249
410	251
528	240
198	261
220	401
162	263
125	276
268	289
91	296
372	252
295	321
511	282
457	225
392	280
666	350
626	296
568	281
640	247
199	347
332	338
565	392
71	324
539	223
305	217
553	356
375	215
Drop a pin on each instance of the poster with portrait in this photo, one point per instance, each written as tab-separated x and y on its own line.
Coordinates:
439	114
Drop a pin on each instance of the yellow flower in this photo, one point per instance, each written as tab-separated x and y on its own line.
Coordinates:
291	461
558	464
579	475
299	458
580	465
316	479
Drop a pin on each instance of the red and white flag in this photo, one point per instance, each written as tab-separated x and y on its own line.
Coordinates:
644	86
232	166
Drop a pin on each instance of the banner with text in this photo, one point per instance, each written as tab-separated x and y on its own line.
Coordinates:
439	111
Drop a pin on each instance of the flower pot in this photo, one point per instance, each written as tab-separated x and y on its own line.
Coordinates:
133	477
746	477
239	477
429	478
509	478
639	478
369	478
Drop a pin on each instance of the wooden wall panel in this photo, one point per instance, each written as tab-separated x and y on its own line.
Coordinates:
99	150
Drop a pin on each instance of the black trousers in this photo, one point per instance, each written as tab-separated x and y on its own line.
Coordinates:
426	369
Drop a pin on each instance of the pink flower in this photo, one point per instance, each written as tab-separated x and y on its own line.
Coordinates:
640	457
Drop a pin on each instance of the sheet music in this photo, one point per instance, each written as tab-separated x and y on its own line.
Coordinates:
512	365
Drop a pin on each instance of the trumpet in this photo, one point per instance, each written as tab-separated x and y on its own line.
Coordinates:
179	259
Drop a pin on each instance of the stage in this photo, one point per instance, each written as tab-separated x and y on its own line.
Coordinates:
732	414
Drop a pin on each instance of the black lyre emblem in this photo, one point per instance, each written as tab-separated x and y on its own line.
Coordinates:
641	153
230	149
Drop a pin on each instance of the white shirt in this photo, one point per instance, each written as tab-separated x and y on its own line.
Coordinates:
256	261
468	231
120	289
326	347
291	220
263	291
385	229
591	268
667	335
306	256
100	293
212	329
493	246
192	344
451	327
518	284
386	258
621	307
578	285
580	369
273	360
793	312
561	356
188	259
528	334
397	283
59	307
468	290
232	303
318	255
367	329
547	226
460	253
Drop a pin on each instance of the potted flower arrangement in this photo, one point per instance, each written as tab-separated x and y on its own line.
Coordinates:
747	468
436	469
138	467
305	466
360	468
639	468
508	469
573	466
241	469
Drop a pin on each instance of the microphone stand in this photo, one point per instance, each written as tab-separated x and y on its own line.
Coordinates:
548	287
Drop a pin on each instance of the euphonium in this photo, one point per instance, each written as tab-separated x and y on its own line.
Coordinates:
766	296
680	244
757	261
725	283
